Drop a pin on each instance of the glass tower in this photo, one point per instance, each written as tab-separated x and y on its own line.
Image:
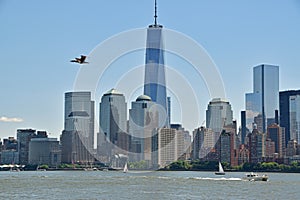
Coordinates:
290	113
142	122
218	114
265	97
295	118
77	138
155	82
113	123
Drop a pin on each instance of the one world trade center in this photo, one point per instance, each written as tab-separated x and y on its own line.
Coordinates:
155	81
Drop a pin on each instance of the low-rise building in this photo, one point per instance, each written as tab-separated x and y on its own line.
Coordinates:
44	151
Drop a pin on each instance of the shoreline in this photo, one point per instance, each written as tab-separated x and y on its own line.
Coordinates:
167	170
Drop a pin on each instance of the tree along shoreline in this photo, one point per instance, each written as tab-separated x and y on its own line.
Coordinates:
197	165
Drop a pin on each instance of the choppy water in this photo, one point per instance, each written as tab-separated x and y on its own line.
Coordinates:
144	185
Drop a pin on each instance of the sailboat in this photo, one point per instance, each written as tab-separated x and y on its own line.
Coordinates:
221	171
125	168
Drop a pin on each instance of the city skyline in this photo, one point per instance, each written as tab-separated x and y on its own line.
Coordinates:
36	49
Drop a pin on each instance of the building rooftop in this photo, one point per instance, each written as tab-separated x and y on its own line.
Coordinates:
113	92
44	140
216	100
143	98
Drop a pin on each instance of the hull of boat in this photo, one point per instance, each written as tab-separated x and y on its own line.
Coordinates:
257	178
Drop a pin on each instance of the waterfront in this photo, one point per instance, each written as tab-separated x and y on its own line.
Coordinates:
144	185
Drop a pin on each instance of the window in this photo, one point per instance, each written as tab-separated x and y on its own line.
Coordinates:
144	105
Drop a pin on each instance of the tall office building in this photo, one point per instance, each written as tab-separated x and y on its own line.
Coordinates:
253	108
265	97
256	145
289	102
218	114
223	147
244	129
203	142
295	118
167	144
77	138
184	151
155	83
143	119
23	137
276	134
9	151
113	123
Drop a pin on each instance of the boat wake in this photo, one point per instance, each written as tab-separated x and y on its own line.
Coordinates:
217	179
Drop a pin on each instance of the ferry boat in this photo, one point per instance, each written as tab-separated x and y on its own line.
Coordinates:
256	177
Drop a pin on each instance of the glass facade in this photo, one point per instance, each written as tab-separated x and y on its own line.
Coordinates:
113	117
79	113
253	108
285	110
142	122
265	96
295	118
112	136
155	83
78	136
218	114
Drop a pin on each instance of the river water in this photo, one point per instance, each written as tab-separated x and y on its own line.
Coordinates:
144	185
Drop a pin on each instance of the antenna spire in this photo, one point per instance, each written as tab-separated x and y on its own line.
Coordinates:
155	13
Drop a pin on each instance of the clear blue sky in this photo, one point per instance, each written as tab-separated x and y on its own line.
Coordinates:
38	38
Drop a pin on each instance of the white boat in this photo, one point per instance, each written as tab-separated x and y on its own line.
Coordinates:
256	177
90	169
125	168
221	170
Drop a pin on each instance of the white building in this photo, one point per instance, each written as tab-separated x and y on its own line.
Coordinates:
167	146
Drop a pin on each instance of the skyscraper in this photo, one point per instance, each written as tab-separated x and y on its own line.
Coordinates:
256	146
203	142
295	118
276	134
244	129
78	136
113	122
290	114
23	137
155	83
218	114
265	97
142	122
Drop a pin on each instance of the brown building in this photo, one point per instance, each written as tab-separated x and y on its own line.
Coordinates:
270	149
276	134
243	154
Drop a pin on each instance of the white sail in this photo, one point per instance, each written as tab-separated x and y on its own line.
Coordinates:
125	168
221	168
